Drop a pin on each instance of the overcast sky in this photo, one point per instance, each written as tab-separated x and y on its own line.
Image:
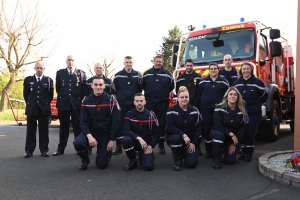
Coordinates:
91	28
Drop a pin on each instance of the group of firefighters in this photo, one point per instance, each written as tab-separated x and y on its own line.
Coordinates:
224	108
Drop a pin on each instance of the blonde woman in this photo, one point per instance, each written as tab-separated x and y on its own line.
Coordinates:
184	125
230	117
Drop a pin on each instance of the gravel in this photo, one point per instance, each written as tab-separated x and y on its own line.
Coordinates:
279	161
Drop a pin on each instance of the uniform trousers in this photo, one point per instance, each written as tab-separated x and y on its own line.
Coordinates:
130	146
123	111
207	124
221	143
43	121
179	150
103	157
160	110
64	120
251	128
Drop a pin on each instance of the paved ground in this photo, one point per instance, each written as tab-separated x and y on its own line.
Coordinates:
59	178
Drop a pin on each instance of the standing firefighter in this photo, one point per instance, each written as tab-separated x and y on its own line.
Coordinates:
38	93
157	84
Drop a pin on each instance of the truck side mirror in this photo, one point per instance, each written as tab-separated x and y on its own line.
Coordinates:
174	60
274	34
175	48
275	48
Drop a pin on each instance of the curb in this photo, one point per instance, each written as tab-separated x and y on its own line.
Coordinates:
276	174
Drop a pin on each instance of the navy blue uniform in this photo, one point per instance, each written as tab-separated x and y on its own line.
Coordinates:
109	86
70	93
226	121
127	85
157	85
140	124
191	82
254	93
180	122
210	93
230	76
100	116
38	96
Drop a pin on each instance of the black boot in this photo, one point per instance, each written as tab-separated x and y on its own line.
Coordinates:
117	151
217	162
131	165
161	148
177	166
248	158
84	163
208	154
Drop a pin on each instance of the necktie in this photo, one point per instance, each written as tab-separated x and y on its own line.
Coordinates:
38	79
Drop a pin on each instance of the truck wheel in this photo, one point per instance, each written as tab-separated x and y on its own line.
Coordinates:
269	130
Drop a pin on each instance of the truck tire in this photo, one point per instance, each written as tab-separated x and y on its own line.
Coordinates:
269	129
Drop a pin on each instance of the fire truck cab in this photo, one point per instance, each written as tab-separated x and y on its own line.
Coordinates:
269	54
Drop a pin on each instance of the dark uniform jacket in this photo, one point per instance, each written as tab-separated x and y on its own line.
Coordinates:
142	124
230	76
157	84
109	86
211	92
70	89
185	122
254	93
228	121
191	82
127	85
100	115
37	95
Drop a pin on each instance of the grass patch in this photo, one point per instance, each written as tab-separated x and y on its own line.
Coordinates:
8	115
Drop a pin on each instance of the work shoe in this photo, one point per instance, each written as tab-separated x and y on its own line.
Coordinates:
131	165
177	165
28	155
117	151
216	162
161	148
84	163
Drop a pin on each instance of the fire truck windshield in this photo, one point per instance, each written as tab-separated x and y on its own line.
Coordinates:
238	43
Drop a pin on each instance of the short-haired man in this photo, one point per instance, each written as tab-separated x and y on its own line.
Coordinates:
190	79
70	86
109	85
128	82
157	84
141	133
228	72
38	93
99	121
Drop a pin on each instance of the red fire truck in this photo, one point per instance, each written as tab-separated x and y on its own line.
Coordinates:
269	54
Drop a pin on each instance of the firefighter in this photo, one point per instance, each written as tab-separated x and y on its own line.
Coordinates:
157	84
254	93
184	126
190	80
128	82
70	88
141	133
38	93
230	117
99	121
109	85
210	92
228	72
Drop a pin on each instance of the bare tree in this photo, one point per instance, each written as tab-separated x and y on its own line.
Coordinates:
22	33
109	63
